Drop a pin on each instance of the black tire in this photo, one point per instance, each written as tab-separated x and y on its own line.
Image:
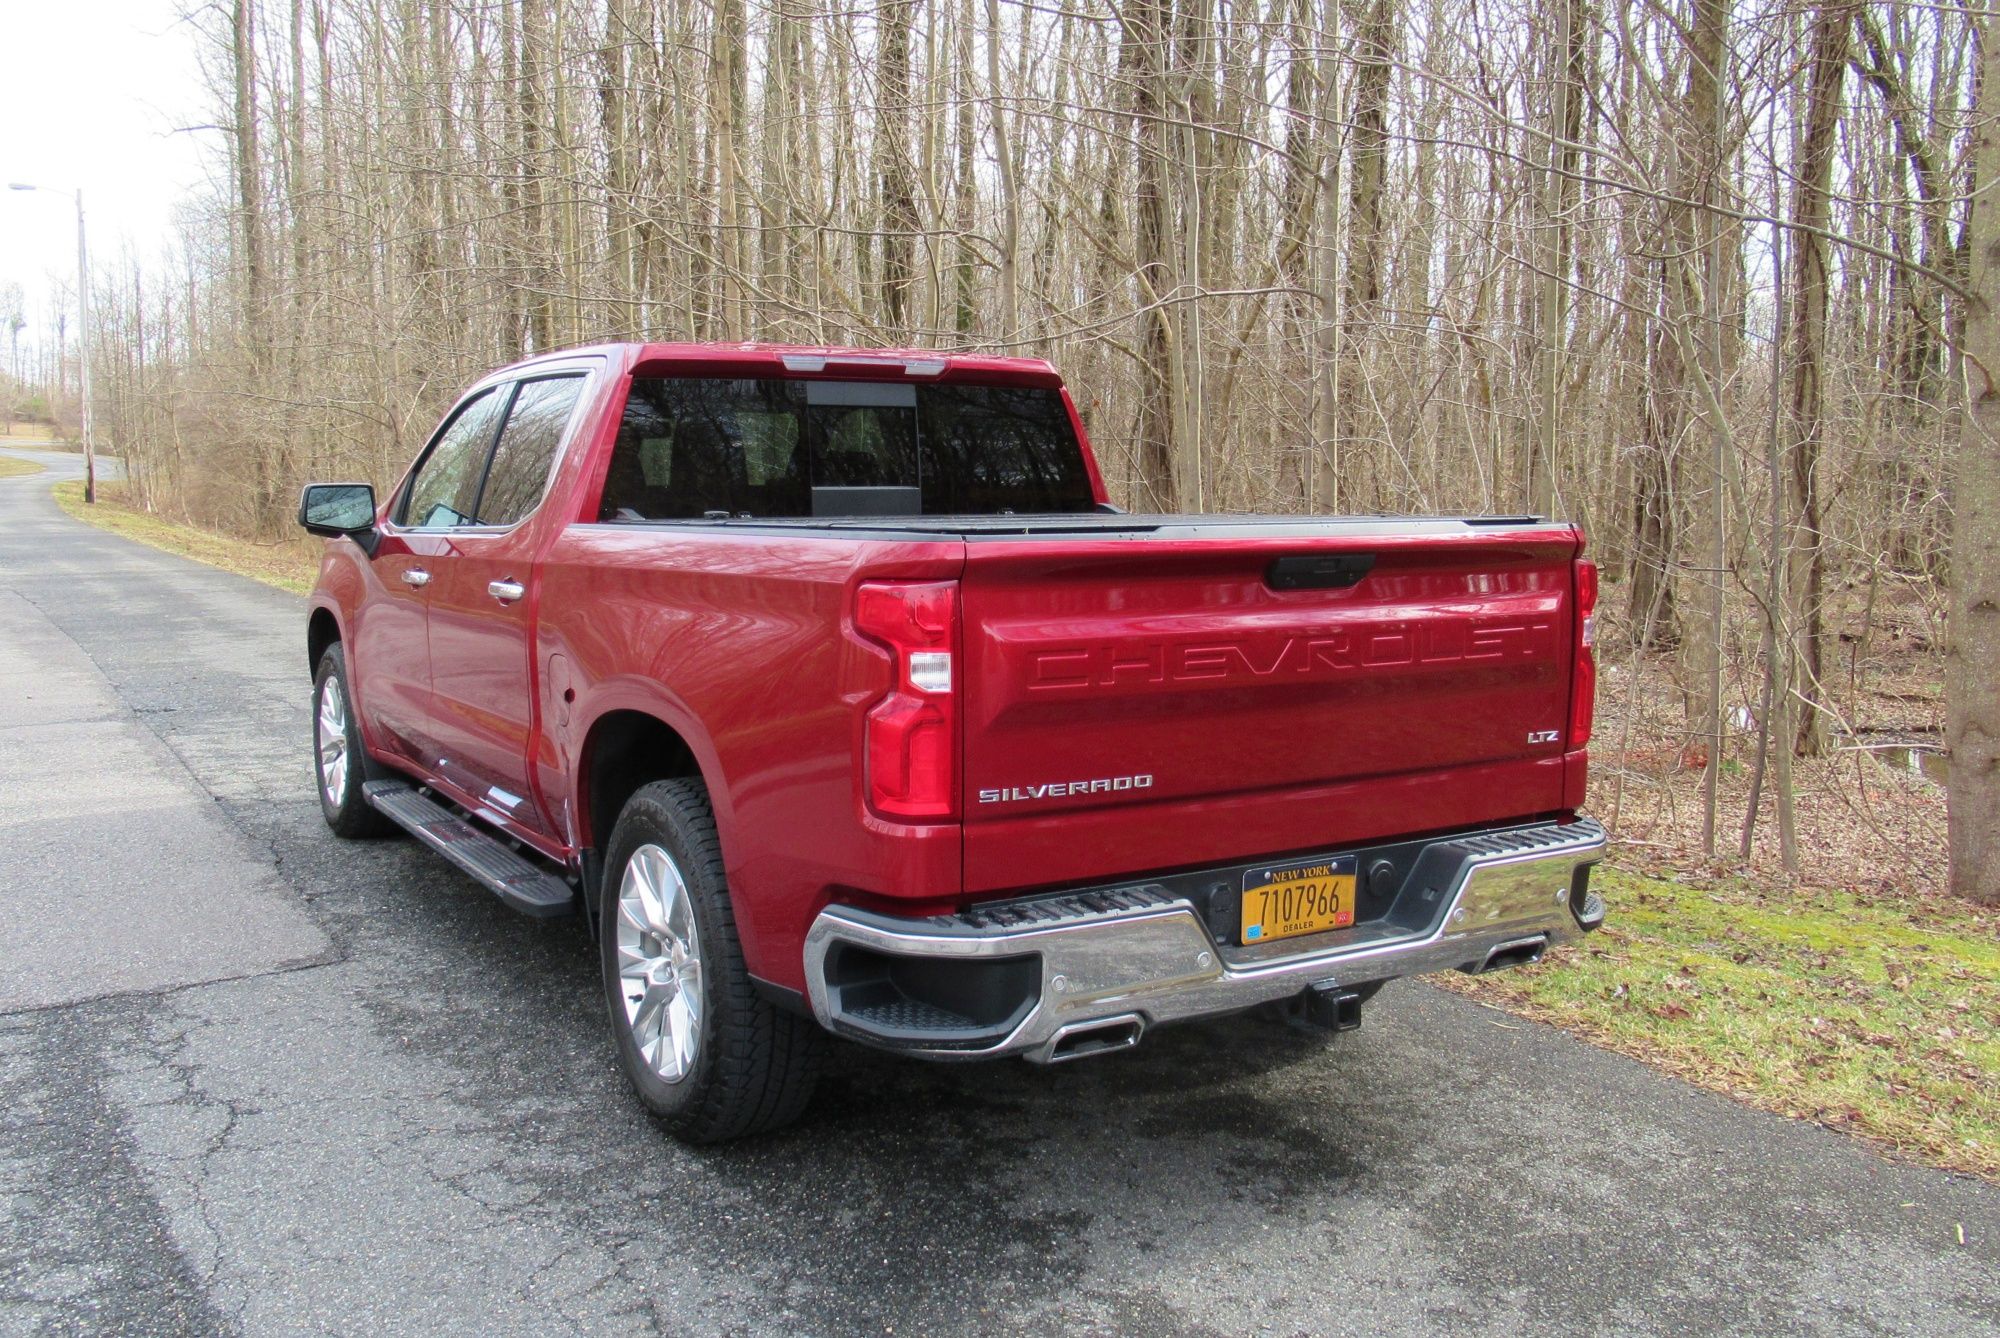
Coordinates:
753	1065
347	812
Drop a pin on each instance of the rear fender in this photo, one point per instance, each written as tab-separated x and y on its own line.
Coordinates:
631	693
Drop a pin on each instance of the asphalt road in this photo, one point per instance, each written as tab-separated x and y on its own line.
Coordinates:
256	1079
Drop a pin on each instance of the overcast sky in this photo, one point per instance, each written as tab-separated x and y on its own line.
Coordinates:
95	90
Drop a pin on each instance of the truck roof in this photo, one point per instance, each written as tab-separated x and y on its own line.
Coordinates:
760	359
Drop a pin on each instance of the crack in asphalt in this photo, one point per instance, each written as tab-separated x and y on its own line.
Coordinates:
84	1246
164	993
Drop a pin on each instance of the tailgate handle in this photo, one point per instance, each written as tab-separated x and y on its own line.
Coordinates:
1318	571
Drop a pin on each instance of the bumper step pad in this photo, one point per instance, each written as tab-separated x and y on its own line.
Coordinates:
908	1016
523	886
1527	840
1050	912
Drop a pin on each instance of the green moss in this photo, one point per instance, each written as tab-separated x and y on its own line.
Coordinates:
1878	1016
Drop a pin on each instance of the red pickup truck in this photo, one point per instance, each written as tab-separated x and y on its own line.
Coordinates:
830	687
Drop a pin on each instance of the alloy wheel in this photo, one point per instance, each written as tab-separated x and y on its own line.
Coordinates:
333	742
659	963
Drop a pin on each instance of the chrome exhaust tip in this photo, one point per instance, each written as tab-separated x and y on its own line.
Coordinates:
1083	1040
1517	952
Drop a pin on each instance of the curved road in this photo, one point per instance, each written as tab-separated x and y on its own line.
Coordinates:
254	1079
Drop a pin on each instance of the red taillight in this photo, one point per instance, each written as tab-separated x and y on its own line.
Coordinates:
912	733
1583	692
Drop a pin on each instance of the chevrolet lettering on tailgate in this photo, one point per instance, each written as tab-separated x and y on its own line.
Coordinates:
1386	646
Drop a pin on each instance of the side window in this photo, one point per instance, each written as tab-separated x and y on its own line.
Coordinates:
520	468
446	488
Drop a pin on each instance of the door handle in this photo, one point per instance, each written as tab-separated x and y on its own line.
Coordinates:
416	576
506	591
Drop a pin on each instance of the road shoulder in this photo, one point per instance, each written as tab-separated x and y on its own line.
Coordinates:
117	874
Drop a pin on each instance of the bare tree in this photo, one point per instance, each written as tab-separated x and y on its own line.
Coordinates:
1972	687
249	168
1374	27
1565	57
1811	214
1346	254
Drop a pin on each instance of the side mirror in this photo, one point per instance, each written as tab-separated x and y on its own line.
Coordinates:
340	510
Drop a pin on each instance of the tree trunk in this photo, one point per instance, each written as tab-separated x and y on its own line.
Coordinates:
727	94
1158	409
1921	366
1010	193
964	217
1811	212
894	176
1972	685
1774	714
1710	51
249	171
1375	49
1301	202
1655	525
1565	55
619	226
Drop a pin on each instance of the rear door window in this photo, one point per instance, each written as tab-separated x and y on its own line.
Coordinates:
768	447
863	434
520	469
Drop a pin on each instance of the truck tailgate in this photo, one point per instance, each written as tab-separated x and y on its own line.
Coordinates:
1159	702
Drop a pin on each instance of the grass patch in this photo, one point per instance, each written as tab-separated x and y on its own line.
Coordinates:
13	466
1877	1016
286	566
36	434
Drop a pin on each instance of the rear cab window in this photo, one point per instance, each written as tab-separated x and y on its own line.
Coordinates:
769	447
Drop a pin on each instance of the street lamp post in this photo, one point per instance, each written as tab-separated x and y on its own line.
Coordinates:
82	341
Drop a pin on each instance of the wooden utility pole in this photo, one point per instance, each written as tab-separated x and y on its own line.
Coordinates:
1972	664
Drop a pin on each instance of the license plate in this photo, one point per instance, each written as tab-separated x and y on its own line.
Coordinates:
1286	900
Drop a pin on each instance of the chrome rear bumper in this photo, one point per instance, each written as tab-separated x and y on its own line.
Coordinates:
1057	977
